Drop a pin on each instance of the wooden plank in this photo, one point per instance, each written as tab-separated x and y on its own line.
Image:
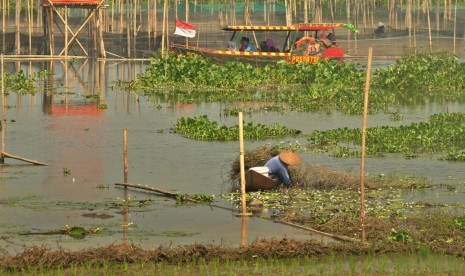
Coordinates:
7	155
145	187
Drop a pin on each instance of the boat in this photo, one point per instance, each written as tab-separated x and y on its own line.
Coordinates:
255	181
303	42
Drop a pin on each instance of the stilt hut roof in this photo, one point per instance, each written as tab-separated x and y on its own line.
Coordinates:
72	2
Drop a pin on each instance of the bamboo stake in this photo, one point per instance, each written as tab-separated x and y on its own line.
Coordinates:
149	24
415	21
241	160
364	126
154	19
134	19
100	31
112	18
165	4
128	32
121	17
429	27
66	52
437	18
30	22
187	19
2	155
17	34
455	23
125	155
3	25
50	30
167	23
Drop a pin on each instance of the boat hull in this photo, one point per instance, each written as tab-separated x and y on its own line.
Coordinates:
255	181
255	58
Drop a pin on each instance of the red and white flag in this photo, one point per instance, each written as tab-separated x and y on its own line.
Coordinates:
184	29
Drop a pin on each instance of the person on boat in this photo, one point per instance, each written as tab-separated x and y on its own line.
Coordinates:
270	45
278	166
263	47
231	46
245	46
381	30
329	41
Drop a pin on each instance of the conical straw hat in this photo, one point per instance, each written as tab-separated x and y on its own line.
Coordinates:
290	158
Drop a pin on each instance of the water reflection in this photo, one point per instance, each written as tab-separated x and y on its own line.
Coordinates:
244	231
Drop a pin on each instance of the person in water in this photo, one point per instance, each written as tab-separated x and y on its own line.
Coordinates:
278	166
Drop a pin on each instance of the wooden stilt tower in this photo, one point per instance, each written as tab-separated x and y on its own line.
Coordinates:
56	14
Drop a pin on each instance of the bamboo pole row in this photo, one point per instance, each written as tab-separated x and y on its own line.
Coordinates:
311	10
126	17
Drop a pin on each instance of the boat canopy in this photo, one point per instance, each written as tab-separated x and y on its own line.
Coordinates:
295	27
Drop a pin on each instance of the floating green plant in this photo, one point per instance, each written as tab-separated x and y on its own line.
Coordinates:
102	106
460	222
326	85
178	233
19	82
402	236
423	73
202	128
442	133
183	198
42	74
103	186
66	171
454	156
320	206
234	111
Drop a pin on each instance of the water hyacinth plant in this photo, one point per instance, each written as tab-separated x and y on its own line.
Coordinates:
443	133
19	82
423	73
202	128
326	85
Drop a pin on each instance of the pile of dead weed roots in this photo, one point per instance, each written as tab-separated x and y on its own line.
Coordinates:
44	258
303	176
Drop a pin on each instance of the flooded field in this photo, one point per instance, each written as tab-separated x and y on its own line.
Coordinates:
61	125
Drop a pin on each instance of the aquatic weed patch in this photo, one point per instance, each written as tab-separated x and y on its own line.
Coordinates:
202	128
326	85
40	203
319	206
19	82
443	133
423	73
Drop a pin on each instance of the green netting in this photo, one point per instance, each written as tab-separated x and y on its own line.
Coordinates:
239	7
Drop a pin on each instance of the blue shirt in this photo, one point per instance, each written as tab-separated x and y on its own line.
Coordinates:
248	48
279	168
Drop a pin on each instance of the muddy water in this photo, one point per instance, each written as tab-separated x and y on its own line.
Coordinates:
60	126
